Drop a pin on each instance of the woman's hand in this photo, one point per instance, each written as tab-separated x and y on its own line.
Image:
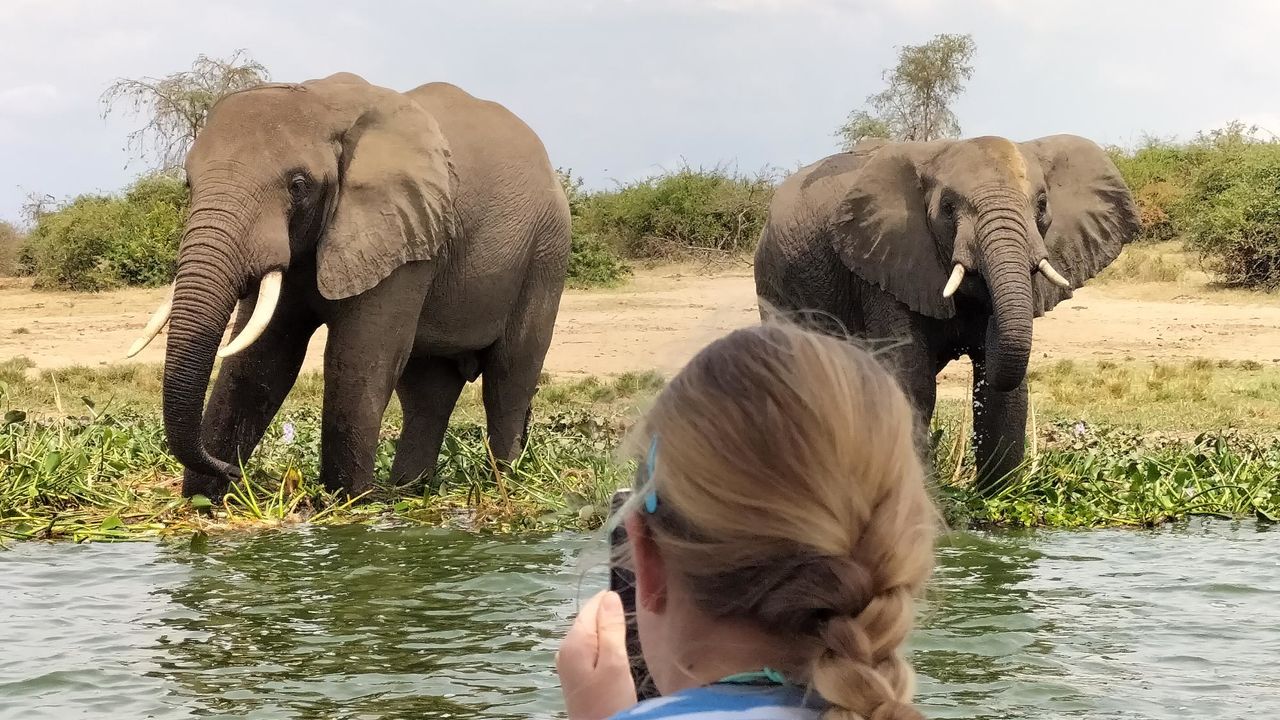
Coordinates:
595	674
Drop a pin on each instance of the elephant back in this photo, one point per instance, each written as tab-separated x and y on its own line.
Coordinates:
501	162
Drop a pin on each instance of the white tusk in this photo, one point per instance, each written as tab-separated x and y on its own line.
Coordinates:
957	275
1047	270
154	325
268	296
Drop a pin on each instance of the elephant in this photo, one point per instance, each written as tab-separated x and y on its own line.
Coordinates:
427	230
946	248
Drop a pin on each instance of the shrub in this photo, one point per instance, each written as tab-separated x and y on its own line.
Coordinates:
1159	174
682	213
11	239
97	242
592	262
1220	193
1236	223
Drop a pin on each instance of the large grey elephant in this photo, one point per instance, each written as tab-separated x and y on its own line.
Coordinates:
949	248
426	229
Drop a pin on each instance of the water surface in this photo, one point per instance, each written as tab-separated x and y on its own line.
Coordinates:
397	623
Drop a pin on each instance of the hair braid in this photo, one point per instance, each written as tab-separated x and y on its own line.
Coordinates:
860	670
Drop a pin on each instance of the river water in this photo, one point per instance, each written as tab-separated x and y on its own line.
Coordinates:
412	623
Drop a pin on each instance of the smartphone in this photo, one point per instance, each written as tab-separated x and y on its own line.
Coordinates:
623	582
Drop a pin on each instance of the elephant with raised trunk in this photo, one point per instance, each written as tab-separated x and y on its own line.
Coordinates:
948	248
426	229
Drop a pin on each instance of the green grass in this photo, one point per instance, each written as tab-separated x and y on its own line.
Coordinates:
1082	475
99	470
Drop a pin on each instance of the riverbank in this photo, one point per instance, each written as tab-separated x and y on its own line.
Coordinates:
1155	396
80	469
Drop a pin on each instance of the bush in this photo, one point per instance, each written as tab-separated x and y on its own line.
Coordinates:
683	213
1236	226
1220	193
97	242
11	240
592	262
1159	174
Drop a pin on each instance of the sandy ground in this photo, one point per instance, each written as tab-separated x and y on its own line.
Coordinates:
660	319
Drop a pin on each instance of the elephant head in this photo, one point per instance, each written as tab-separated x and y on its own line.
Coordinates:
1012	226
338	175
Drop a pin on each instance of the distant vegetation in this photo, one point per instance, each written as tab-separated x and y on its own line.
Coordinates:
176	105
1219	193
678	214
11	241
98	242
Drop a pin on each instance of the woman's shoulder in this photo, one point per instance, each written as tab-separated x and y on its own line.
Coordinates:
715	702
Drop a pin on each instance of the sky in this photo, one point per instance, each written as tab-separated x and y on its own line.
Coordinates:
623	89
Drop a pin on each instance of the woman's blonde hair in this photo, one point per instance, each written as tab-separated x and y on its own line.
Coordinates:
790	493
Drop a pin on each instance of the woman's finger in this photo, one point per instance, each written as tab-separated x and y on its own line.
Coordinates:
611	630
581	644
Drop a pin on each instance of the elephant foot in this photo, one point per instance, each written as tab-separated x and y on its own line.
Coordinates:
210	486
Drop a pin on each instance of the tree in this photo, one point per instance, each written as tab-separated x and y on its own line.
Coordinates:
177	104
916	105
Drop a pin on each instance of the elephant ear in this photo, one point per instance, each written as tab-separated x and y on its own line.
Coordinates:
1091	208
396	191
881	229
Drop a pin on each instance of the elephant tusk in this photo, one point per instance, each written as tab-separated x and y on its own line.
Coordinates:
1047	270
154	325
268	296
953	284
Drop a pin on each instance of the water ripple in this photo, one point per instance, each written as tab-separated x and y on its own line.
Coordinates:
382	623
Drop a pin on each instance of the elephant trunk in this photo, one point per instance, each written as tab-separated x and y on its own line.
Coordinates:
221	258
1002	239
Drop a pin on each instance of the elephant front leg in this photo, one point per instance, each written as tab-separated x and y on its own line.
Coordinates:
370	339
250	388
999	429
360	374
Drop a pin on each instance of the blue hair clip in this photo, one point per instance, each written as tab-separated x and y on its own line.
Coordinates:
651	499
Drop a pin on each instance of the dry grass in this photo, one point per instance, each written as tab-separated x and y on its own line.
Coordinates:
136	388
1191	396
1163	262
1168	271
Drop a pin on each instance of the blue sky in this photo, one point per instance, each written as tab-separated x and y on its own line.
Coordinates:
619	89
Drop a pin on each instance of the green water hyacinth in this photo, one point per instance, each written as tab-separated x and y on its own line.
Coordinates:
109	477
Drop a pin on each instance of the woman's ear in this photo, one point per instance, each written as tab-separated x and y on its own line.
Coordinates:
650	568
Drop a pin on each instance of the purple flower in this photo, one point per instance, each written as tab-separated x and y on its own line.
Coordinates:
1079	429
287	433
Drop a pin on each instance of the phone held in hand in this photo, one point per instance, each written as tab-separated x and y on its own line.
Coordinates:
623	582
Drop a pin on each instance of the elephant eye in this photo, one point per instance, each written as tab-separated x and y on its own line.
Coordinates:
948	208
299	187
1042	205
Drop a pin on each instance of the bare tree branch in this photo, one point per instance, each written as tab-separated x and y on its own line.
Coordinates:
176	105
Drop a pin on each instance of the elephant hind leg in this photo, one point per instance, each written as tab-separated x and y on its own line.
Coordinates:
508	385
511	367
428	391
